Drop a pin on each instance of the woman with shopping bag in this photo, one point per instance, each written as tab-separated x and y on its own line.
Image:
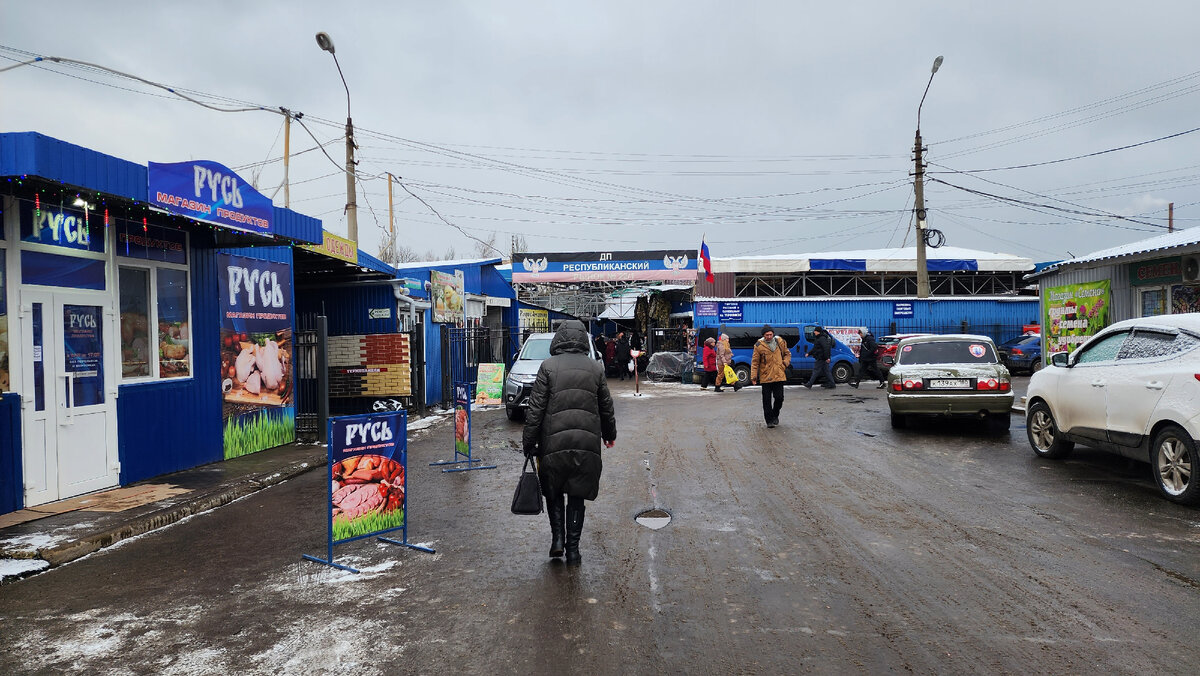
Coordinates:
725	372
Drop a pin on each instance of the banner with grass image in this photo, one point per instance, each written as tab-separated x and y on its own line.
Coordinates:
368	460
256	354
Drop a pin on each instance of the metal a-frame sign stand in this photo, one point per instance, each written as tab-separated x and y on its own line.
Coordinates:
462	432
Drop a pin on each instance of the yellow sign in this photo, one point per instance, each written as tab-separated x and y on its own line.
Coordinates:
335	247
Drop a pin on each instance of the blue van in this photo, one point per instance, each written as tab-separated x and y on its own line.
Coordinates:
743	336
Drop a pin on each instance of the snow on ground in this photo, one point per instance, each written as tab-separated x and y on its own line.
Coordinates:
428	421
14	568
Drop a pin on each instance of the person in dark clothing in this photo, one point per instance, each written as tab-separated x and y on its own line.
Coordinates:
709	360
821	351
623	356
570	414
610	354
598	344
866	360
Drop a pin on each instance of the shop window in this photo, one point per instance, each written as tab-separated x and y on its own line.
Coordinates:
134	284
1185	298
152	298
1154	302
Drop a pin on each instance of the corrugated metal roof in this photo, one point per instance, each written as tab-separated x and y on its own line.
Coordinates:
1160	243
876	260
33	154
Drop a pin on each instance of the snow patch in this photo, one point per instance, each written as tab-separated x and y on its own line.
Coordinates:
19	567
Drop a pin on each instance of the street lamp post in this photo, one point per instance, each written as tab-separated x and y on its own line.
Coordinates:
326	43
919	185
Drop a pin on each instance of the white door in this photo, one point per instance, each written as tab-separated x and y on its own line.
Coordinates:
1083	390
68	401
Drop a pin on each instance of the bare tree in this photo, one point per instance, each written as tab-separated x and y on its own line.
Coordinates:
486	248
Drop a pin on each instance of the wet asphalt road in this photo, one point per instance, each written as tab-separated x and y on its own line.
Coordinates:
831	544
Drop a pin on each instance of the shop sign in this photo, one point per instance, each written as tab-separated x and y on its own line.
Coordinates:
210	192
1074	313
729	312
61	227
380	313
367	457
150	242
1160	271
489	386
534	320
335	247
446	292
587	266
902	309
84	354
706	308
256	354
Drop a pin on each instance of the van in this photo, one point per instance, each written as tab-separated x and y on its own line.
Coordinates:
743	336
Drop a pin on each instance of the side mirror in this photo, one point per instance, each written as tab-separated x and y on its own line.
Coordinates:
1060	359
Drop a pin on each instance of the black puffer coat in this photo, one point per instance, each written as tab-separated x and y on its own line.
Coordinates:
570	413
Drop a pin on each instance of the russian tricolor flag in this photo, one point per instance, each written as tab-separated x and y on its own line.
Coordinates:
708	275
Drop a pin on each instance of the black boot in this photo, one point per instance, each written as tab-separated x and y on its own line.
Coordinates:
574	531
554	510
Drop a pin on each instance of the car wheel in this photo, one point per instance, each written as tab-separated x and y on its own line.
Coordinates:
842	371
743	373
999	423
1035	366
899	421
1174	461
515	414
1043	433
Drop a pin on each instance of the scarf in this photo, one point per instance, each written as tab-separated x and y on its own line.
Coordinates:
773	344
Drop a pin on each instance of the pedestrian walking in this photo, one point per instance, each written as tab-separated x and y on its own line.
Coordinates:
724	358
821	351
598	345
610	354
768	367
622	355
867	361
570	414
709	360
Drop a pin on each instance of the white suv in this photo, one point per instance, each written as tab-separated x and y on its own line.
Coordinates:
1132	389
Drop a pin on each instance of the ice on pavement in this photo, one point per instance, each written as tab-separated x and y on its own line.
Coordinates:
18	567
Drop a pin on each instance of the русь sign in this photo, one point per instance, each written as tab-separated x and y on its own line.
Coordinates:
210	192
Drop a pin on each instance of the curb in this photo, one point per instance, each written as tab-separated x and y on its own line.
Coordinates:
70	551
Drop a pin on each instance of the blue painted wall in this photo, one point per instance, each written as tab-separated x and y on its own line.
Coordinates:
168	426
433	360
1000	319
347	308
12	489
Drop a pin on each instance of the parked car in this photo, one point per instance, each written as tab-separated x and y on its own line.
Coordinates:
956	375
887	348
1132	389
518	384
1023	353
799	339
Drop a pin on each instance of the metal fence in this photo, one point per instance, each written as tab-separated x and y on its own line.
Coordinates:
311	376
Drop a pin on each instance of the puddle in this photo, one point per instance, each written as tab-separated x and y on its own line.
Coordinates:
653	518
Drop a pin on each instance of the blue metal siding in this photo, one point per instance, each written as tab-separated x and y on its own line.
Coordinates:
493	283
347	308
33	154
992	317
12	482
370	262
168	426
433	360
297	226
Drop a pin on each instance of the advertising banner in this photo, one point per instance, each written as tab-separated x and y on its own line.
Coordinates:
462	419
210	192
537	321
446	293
335	247
729	312
587	266
1074	313
847	335
489	386
368	461
1185	298
256	354
84	353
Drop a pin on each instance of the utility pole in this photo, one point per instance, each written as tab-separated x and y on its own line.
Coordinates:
919	186
1171	217
351	200
391	208
287	144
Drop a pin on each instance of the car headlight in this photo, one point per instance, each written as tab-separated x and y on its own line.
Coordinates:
523	378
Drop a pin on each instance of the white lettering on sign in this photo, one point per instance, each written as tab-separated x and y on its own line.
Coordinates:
87	320
368	432
270	294
216	182
63	228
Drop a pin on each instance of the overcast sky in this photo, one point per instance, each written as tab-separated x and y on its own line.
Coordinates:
766	126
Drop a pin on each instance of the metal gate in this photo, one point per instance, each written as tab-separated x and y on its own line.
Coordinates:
312	378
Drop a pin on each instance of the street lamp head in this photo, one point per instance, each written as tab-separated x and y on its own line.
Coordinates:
325	42
937	63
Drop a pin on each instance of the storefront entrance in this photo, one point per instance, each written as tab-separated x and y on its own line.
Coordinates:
68	401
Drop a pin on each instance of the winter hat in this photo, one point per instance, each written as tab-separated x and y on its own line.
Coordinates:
710	341
767	327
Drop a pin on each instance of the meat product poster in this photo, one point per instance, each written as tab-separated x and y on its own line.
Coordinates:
368	459
256	354
462	419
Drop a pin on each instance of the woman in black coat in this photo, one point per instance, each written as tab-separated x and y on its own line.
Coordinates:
570	414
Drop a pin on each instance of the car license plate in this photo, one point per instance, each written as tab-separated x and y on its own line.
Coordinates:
950	384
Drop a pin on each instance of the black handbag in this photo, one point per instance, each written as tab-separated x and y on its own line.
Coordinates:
527	499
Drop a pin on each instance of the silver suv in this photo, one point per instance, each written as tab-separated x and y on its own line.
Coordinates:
518	385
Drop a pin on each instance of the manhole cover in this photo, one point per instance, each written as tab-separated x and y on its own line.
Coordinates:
653	518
